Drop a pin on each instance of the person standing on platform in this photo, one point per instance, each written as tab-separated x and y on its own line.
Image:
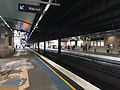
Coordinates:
108	49
16	46
81	47
68	47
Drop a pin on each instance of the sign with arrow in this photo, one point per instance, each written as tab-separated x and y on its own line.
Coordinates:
29	8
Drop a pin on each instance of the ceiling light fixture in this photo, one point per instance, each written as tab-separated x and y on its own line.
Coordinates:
6	23
46	8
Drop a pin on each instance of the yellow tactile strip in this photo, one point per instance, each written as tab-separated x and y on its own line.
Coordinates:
8	88
73	88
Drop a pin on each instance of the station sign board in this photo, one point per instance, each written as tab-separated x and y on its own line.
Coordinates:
29	8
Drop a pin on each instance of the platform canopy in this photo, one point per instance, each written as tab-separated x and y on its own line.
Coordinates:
64	18
16	19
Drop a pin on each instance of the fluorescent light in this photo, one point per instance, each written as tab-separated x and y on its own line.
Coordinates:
46	8
36	24
6	23
8	26
11	30
40	17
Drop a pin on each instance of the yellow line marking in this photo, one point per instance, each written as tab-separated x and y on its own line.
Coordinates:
55	72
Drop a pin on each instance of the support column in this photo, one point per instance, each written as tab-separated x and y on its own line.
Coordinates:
33	45
59	46
38	46
44	47
76	43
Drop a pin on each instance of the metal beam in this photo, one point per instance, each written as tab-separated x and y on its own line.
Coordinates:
44	2
44	47
38	46
59	45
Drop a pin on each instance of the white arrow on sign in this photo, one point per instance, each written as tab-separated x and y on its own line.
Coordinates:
22	7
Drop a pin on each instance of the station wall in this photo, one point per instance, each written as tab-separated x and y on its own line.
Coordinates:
113	40
6	43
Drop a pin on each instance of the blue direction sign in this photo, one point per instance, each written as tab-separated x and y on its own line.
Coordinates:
29	8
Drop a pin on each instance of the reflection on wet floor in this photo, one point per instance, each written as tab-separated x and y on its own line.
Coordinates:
21	52
25	71
14	72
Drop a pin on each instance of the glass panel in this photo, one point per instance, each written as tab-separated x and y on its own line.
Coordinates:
98	43
102	43
95	43
92	44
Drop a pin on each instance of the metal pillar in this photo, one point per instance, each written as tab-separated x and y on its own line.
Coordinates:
59	46
44	47
38	46
76	43
33	45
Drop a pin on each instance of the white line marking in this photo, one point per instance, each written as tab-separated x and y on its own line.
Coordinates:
84	84
79	57
95	55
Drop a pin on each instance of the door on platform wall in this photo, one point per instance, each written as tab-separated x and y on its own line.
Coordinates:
113	42
10	41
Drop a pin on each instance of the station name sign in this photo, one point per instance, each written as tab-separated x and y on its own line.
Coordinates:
29	8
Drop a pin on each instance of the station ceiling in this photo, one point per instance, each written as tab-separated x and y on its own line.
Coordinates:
16	19
72	18
76	17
